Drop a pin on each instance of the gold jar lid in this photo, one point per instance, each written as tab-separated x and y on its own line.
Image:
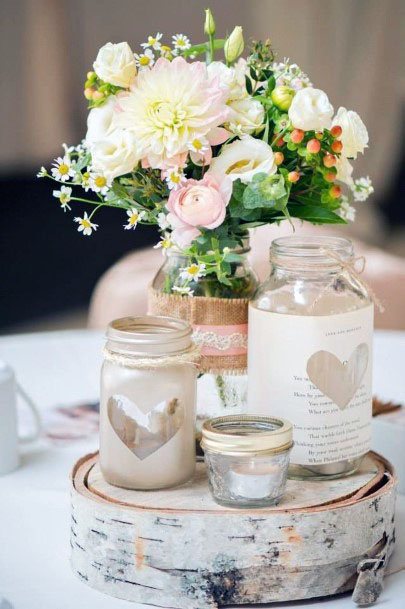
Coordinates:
247	434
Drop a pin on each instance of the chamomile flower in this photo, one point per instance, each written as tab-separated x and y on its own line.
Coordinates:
181	42
199	145
174	178
63	168
153	41
83	179
42	173
145	60
166	52
346	211
362	188
183	290
193	272
64	195
165	243
162	221
85	225
134	216
99	183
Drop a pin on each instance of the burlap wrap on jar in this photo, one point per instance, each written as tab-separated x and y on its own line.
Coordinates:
220	327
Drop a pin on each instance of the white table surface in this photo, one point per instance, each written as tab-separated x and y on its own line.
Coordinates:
63	368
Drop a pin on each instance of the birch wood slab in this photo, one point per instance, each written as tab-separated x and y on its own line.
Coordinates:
180	550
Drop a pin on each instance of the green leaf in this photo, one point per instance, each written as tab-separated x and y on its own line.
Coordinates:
315	214
271	83
238	190
265	192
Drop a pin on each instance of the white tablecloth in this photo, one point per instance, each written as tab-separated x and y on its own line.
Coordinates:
63	368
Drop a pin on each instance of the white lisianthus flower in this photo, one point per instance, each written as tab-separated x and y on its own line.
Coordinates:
243	159
115	155
246	115
344	171
100	122
354	132
310	110
115	64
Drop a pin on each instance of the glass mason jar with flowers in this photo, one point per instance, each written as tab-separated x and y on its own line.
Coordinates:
207	145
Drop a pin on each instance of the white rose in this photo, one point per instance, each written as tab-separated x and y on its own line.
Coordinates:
243	159
344	171
100	121
233	79
115	155
354	132
246	115
310	110
115	64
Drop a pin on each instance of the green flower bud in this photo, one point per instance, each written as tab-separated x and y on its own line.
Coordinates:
282	97
209	25
234	45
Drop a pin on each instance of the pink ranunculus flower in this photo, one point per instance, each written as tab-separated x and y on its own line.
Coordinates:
199	203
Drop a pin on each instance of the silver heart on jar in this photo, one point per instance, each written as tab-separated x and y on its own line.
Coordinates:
144	433
338	380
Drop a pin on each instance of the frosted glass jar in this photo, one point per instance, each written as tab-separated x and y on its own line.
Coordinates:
310	353
147	406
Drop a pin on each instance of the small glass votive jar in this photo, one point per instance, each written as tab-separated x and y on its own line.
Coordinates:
247	458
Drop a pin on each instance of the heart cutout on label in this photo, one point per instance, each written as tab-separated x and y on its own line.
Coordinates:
144	433
338	380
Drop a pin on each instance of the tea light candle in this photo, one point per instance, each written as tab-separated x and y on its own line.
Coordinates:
254	480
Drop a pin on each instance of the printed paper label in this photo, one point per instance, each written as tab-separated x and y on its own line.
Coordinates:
315	371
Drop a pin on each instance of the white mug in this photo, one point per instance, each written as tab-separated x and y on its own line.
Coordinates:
9	438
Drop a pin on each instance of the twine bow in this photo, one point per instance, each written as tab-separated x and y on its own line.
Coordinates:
350	267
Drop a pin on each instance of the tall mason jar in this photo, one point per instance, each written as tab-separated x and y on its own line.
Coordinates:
225	393
147	403
310	353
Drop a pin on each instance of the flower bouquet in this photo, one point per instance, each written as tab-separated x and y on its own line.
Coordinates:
206	145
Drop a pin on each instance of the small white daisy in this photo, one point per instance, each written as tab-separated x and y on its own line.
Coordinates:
63	168
165	243
199	145
162	221
134	216
346	211
193	272
186	290
144	60
174	178
181	42
362	189
85	225
98	183
64	195
153	41
42	172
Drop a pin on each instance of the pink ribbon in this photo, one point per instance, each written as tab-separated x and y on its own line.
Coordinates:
221	340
